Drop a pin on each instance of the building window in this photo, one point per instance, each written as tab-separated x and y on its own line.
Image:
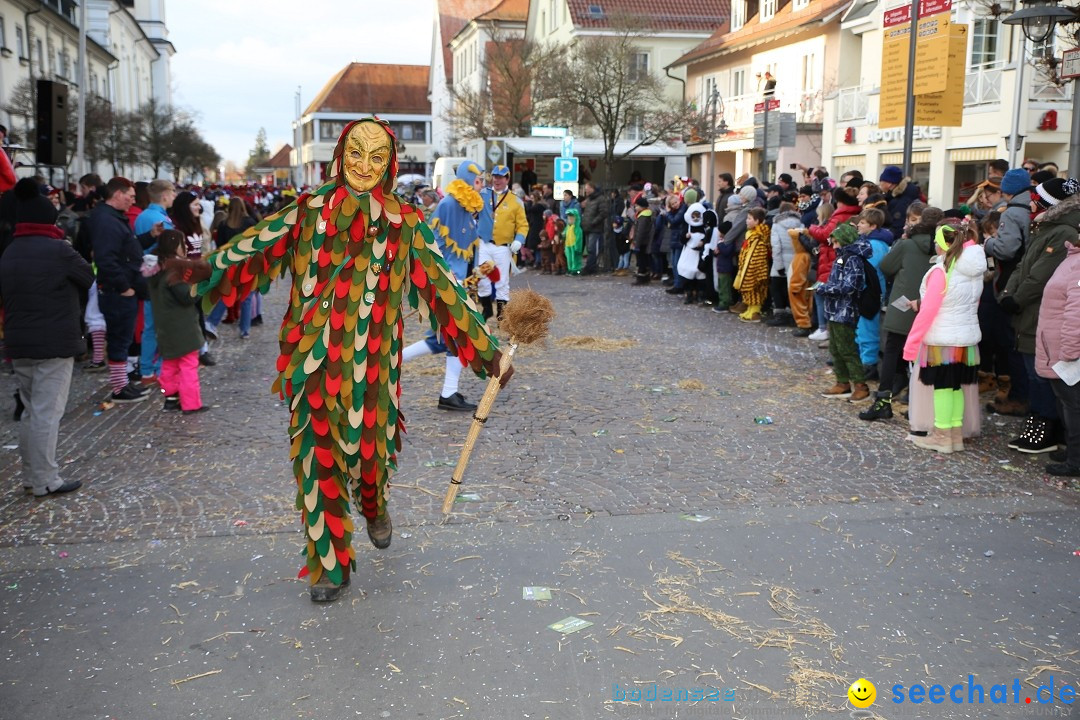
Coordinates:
20	44
984	41
40	55
412	131
809	74
639	65
551	16
738	14
635	130
738	83
800	4
768	10
708	87
3	34
331	129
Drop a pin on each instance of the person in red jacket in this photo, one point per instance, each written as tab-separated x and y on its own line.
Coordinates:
847	207
7	172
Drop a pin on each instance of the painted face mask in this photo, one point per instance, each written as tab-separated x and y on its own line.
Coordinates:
804	205
366	157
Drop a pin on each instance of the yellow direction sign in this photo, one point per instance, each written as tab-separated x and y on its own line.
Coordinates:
932	54
946	109
892	102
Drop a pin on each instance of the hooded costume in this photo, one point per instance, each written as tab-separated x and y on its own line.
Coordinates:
574	242
355	257
454	219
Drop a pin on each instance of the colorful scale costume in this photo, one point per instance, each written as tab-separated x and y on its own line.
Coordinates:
354	258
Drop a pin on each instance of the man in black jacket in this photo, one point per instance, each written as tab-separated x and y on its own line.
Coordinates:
118	257
41	279
594	216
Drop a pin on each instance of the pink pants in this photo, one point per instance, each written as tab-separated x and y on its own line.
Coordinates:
180	376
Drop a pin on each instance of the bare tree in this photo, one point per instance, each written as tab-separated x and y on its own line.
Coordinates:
156	121
599	82
503	103
21	105
188	151
120	145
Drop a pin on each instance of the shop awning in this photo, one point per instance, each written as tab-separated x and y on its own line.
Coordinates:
973	154
897	158
588	147
843	163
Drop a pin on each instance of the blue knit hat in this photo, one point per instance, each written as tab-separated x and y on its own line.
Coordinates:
891	174
1016	181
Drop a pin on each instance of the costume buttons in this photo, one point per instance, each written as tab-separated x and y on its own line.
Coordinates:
376	268
308	287
325	304
369	297
373	230
321	226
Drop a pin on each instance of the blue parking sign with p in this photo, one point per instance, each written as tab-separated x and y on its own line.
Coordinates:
566	169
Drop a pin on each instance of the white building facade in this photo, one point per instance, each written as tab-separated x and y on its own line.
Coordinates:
947	161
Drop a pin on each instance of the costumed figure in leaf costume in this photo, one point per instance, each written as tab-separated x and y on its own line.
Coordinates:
454	225
356	252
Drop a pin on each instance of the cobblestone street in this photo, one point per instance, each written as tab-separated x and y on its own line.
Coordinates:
836	529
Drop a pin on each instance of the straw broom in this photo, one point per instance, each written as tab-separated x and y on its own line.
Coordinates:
526	319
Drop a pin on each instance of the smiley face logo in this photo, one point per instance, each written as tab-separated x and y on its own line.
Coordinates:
862	693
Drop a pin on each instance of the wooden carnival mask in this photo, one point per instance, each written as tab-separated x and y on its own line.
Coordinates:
366	157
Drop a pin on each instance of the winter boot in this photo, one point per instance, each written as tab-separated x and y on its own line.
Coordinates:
957	439
880	410
499	305
988	383
939	440
1003	388
485	304
839	390
1029	424
1042	438
1015	408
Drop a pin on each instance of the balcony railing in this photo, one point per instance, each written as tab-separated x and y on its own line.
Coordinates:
811	107
982	86
1043	91
852	103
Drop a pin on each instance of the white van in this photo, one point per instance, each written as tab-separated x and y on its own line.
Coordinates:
445	171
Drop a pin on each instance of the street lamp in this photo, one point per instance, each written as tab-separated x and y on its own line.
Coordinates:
1038	19
715	129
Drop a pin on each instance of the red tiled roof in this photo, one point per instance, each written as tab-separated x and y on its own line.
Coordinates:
685	15
453	16
281	157
785	20
508	11
372	88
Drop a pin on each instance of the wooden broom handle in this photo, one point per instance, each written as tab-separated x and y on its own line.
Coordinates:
479	418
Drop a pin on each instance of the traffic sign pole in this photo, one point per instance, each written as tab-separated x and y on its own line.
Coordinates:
909	113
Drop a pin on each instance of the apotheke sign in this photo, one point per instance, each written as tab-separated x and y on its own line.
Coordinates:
897	134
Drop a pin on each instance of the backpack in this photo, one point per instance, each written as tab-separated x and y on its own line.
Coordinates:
869	298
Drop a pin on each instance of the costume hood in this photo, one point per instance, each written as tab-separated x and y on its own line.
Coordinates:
334	170
699	209
468	171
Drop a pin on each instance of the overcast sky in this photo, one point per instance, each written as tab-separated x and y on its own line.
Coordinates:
238	62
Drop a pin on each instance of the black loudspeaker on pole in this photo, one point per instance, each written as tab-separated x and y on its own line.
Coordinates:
52	109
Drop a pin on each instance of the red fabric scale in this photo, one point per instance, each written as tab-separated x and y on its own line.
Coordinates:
282	363
419	277
337	319
373	344
367	449
335	526
304	572
333	384
452	330
315	400
329	488
331	230
325	456
378	312
343	556
293	336
333	353
372	373
320	425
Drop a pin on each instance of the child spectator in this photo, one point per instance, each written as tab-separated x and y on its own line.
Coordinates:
847	207
547	258
690	256
573	241
800	277
643	236
871	226
783	254
839	293
557	242
178	332
620	232
944	339
904	265
752	280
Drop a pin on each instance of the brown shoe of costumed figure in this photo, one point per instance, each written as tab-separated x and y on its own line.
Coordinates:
380	531
325	591
1015	408
938	440
987	382
738	308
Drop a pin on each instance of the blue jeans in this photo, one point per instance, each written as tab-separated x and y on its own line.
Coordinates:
678	280
594	243
819	311
1041	400
120	313
149	361
216	315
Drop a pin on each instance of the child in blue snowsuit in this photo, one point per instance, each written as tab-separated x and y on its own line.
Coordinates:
868	333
